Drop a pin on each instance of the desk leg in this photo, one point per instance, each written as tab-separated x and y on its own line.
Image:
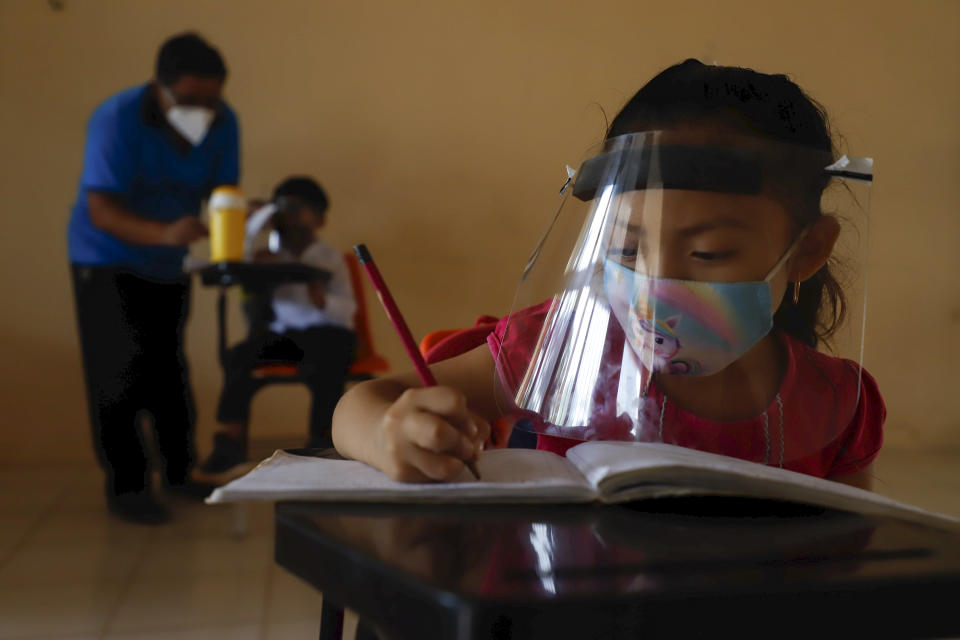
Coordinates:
331	621
238	519
222	325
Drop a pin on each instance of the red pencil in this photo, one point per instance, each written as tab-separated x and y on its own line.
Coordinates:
393	312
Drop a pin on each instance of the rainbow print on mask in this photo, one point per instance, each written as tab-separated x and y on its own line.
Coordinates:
687	327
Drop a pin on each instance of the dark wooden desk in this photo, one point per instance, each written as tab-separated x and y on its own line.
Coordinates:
259	276
735	569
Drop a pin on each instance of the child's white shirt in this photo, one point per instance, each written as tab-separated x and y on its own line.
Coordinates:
292	307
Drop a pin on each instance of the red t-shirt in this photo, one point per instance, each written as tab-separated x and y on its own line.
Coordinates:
831	425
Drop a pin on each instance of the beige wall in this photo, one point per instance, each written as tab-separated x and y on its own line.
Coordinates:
440	130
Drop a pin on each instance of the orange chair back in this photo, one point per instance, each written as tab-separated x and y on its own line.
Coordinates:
433	338
367	361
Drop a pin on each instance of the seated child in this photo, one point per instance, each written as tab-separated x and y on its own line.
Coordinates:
312	325
714	291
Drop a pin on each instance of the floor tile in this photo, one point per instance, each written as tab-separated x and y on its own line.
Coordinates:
308	628
83	491
71	636
208	556
39	477
28	498
89	526
248	632
154	604
290	598
290	630
70	563
44	611
14	530
197	520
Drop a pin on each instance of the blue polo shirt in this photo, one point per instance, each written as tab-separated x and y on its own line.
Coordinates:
131	152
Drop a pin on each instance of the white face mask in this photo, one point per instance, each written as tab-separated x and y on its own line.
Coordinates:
190	122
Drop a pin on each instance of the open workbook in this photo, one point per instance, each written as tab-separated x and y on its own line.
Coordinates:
593	471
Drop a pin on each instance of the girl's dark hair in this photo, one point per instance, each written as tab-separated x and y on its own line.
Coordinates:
745	101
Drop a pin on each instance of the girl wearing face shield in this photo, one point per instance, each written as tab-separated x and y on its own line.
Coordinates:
684	304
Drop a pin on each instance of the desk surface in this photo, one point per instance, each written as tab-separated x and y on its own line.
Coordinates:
670	568
259	275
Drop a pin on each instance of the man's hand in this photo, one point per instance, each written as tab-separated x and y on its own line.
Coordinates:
318	293
109	213
183	232
254	205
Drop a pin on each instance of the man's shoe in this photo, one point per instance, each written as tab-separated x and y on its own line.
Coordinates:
227	461
227	453
138	508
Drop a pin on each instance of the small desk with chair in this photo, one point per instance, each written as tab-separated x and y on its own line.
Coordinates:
258	279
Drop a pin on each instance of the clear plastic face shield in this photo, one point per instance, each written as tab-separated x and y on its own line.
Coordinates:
658	305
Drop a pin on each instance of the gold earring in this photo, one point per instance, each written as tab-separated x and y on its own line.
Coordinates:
796	292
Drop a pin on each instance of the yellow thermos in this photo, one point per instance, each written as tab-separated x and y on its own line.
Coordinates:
228	215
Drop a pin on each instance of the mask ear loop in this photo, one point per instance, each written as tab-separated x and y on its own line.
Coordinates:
786	256
783	260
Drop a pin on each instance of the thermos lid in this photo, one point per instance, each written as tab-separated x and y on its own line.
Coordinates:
227	197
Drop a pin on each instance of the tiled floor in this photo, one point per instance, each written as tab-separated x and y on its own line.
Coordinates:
69	570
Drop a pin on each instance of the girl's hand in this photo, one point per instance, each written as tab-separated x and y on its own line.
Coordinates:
427	434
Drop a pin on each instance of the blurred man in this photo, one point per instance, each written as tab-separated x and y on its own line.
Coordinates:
153	153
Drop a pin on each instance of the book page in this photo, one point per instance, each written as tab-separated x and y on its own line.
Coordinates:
602	462
623	471
507	475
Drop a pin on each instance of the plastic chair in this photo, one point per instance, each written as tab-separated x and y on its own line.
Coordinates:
447	343
367	362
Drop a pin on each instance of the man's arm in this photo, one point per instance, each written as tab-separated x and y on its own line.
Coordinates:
108	213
